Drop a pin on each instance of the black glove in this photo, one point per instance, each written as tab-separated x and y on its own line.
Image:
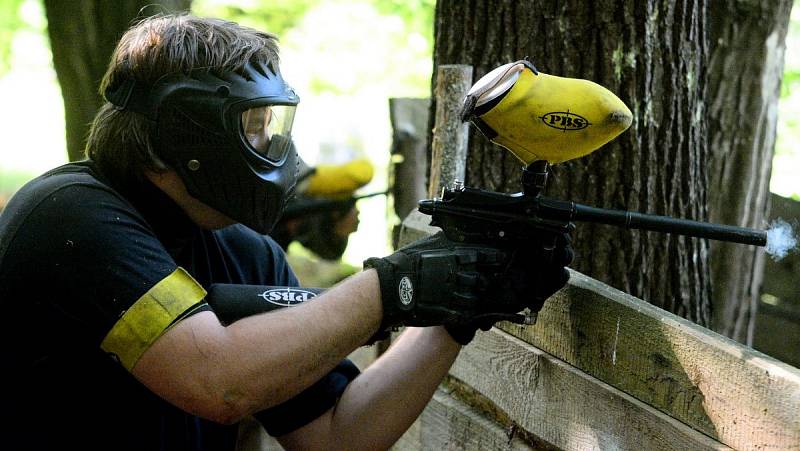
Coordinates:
464	286
536	271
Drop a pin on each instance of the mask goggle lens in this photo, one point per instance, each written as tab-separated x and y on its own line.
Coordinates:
268	129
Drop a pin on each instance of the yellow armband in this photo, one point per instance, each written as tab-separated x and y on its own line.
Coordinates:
151	315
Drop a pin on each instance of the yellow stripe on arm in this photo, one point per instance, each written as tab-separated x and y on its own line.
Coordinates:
151	315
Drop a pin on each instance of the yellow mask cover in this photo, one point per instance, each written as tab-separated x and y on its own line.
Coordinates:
543	117
339	181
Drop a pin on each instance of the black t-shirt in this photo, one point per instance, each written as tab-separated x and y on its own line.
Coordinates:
79	263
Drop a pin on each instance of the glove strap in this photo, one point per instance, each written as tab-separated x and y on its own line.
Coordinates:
396	295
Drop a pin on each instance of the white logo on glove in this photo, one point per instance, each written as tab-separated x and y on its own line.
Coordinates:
406	290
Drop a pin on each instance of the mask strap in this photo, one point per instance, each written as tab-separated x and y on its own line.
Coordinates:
130	95
529	65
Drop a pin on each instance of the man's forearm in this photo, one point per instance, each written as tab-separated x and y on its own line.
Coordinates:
223	373
383	402
380	406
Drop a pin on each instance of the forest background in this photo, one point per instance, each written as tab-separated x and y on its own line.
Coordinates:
346	58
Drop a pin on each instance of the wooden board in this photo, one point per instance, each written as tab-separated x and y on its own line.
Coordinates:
415	226
409	165
563	405
733	393
449	424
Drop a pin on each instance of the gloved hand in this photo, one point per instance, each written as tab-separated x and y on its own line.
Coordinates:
536	271
465	286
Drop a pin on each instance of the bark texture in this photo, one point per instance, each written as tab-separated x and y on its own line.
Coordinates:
747	50
82	37
653	56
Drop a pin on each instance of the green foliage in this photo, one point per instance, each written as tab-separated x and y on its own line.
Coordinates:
275	16
418	14
385	44
380	46
791	83
10	22
278	16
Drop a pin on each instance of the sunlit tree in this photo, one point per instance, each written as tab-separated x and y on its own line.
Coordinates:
82	37
657	56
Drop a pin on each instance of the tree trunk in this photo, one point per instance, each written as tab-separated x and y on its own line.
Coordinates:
745	72
82	37
653	56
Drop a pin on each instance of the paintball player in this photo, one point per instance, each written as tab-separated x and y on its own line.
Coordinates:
121	276
323	212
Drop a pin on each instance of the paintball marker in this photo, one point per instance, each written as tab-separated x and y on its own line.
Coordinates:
302	206
544	119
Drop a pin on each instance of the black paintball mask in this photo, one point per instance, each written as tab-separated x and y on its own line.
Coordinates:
228	136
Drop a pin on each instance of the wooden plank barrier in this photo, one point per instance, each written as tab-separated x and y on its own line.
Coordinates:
604	370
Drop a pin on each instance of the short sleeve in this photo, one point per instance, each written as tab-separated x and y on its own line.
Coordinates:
255	259
309	404
114	275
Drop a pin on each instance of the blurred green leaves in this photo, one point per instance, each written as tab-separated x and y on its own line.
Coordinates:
277	16
274	16
347	45
786	159
418	14
791	82
10	22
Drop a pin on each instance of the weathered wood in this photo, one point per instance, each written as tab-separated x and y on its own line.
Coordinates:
563	405
449	143
409	119
728	391
415	226
409	166
737	395
449	424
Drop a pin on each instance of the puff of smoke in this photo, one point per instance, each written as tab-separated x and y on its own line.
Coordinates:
781	239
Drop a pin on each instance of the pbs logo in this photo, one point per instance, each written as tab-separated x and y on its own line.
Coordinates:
565	121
